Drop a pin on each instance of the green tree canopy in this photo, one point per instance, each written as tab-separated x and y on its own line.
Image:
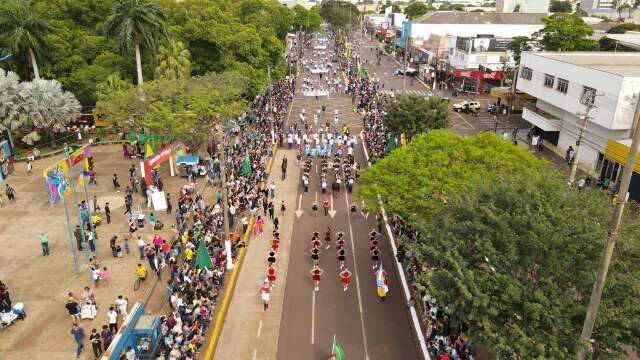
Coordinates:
306	20
519	44
339	13
416	9
180	109
504	243
414	114
174	61
566	32
23	30
560	7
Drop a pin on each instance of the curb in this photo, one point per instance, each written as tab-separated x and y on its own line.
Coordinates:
231	284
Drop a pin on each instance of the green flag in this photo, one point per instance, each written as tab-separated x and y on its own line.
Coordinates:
337	349
203	260
246	166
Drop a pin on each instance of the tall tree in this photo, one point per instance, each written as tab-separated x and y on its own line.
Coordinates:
416	9
560	7
565	32
174	61
23	30
493	250
414	114
135	24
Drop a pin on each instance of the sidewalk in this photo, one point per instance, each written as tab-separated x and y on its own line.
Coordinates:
249	332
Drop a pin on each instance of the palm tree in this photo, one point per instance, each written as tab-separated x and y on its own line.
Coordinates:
136	23
23	29
174	61
45	105
111	85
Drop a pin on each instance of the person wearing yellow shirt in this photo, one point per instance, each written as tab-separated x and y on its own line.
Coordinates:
184	239
141	272
188	253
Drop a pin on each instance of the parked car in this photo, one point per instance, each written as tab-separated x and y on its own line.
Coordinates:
408	71
467	105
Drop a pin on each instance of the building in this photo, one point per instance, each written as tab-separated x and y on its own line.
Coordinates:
470	40
607	8
569	87
523	6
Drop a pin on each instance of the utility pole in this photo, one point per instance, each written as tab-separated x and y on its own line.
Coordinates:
512	96
605	261
85	244
588	99
225	200
406	50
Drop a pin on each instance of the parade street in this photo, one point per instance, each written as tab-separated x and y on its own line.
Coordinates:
366	327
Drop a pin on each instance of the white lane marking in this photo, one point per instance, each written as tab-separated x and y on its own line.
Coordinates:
299	211
316	196
259	329
313	317
355	273
332	212
255	354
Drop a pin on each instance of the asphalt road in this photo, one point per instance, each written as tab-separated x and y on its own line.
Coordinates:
366	327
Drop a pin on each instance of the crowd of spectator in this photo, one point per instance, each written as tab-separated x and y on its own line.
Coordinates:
193	290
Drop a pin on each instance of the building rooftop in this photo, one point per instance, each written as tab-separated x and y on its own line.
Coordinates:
629	39
463	17
619	63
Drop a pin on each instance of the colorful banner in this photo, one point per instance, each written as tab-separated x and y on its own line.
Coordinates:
153	162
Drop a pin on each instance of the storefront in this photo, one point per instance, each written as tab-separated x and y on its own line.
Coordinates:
612	164
467	80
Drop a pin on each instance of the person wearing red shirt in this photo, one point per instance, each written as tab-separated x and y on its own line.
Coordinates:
271	275
345	278
316	273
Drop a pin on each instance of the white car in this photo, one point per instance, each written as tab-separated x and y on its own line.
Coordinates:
467	105
408	71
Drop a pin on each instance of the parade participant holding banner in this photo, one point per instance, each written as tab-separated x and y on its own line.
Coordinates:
382	283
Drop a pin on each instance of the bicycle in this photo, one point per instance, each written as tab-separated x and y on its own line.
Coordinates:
138	282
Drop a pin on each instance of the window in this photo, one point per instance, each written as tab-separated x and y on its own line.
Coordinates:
526	73
563	85
588	96
549	80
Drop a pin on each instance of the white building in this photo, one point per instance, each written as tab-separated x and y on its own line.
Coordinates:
525	6
471	38
563	84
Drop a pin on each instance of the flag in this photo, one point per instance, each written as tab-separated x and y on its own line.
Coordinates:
203	260
149	151
337	349
381	281
246	166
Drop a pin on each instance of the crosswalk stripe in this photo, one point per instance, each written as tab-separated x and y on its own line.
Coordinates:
409	92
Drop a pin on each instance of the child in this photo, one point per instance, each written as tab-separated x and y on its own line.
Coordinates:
118	251
104	274
126	244
282	207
